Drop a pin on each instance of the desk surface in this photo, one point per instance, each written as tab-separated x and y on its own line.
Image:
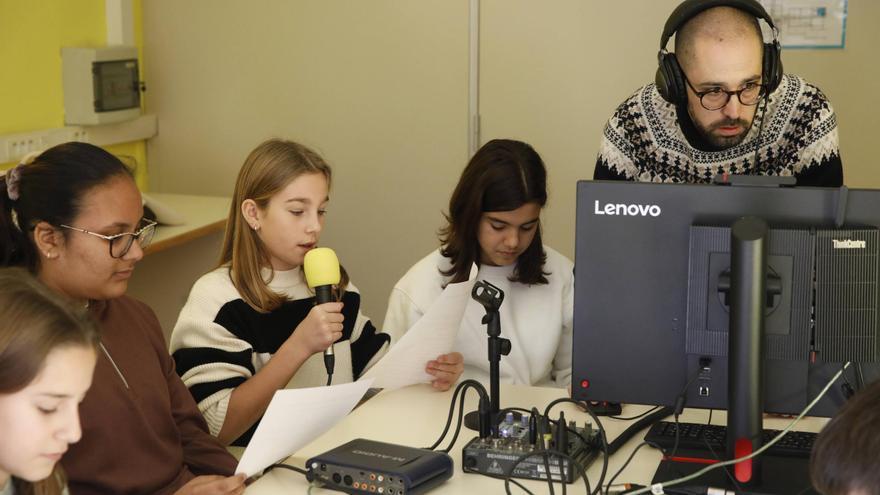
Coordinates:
415	416
203	215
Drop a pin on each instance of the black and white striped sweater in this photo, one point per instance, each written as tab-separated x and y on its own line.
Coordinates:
219	341
650	140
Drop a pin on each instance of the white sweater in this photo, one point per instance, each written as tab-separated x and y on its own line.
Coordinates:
219	341
536	318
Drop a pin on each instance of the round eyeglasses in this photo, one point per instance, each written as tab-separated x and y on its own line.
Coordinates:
717	98
121	243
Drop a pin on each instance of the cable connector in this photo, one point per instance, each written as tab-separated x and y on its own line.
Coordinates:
679	405
329	364
561	437
485	416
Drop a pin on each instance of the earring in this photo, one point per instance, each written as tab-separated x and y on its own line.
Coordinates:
50	255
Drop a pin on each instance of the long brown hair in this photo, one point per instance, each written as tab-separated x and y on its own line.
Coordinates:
503	175
268	169
33	322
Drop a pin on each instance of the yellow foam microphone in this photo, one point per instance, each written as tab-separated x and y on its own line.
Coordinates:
321	268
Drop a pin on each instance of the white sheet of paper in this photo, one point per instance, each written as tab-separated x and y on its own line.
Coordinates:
294	418
433	334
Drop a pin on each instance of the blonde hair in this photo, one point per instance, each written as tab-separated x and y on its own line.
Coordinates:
268	169
33	322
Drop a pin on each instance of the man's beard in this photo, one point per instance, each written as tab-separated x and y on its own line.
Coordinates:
723	142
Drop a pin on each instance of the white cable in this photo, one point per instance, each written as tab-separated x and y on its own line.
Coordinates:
753	454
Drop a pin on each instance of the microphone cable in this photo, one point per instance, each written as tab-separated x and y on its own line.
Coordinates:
330	357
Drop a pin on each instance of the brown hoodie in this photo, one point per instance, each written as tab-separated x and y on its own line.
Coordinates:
142	431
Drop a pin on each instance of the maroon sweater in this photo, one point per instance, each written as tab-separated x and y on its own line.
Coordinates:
148	437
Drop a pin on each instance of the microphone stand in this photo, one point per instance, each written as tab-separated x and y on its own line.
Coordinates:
491	298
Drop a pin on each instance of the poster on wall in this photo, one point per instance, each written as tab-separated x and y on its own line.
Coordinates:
809	23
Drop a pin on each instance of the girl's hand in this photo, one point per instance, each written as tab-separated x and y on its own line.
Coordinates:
446	370
322	327
213	485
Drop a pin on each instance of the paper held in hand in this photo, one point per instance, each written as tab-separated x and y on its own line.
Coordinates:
294	418
432	335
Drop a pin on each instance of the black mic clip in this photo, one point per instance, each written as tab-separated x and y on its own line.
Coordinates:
488	295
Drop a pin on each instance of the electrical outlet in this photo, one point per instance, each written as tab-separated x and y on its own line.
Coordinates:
80	135
19	146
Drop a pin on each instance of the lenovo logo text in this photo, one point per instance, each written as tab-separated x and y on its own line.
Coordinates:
630	210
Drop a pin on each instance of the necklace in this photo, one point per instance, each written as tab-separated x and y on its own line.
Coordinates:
118	372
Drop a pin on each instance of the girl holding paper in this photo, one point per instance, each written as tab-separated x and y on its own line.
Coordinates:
251	326
494	222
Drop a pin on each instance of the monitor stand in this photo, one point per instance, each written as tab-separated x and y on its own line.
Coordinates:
781	475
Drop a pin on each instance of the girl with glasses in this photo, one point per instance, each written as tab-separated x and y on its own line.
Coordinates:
48	350
251	326
74	218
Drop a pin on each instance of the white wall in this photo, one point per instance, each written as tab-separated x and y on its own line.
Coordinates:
380	89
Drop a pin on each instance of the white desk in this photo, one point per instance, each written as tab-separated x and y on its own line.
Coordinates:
203	215
415	416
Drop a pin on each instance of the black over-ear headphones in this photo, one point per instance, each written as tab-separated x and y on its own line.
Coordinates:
670	79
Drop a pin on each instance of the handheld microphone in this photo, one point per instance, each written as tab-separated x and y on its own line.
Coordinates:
321	268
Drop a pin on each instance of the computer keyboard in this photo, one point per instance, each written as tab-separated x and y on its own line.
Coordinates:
696	436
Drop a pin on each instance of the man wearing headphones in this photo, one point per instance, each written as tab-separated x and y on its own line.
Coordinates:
721	105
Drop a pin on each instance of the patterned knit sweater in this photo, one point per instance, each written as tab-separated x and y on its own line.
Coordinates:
650	140
219	341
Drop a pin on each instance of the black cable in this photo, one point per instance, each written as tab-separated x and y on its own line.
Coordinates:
602	437
584	440
329	363
630	418
847	387
636	427
458	422
542	435
449	416
287	466
560	462
681	400
677	435
718	458
709	422
458	389
503	477
628	460
545	454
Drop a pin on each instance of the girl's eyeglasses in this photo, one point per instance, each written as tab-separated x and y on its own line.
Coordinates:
121	243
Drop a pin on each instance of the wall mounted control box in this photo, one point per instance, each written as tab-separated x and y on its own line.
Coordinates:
101	85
